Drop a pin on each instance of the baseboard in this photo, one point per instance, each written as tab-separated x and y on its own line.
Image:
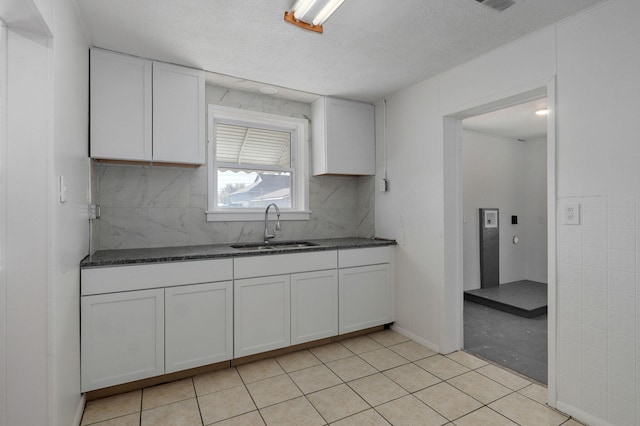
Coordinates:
79	411
580	415
416	338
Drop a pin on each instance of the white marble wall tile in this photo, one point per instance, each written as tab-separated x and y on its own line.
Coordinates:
122	186
168	187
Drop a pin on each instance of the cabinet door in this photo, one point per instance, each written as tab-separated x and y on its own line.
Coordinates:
343	137
178	114
120	106
198	325
314	306
262	320
122	337
365	297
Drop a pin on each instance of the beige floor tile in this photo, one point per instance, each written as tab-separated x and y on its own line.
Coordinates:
536	392
527	412
410	411
178	413
249	419
479	387
482	417
273	390
411	377
217	381
383	359
412	351
504	377
297	361
295	412
225	404
467	360
388	337
377	389
337	402
351	368
167	393
572	422
316	378
361	344
442	367
109	408
259	370
130	420
331	352
366	418
448	401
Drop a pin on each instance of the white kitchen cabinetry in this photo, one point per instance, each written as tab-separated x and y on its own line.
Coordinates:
262	314
343	137
120	106
366	297
264	300
178	114
122	337
146	320
146	111
198	321
314	306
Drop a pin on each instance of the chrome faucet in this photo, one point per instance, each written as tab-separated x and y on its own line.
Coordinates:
278	227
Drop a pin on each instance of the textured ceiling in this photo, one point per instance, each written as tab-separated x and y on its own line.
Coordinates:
369	49
516	122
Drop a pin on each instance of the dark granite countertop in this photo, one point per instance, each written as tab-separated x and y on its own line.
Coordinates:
216	251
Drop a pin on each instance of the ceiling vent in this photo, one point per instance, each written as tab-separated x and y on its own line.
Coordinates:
499	5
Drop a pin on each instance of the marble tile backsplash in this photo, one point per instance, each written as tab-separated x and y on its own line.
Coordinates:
164	206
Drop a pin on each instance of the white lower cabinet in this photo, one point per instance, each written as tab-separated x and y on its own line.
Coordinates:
198	325
365	297
262	314
122	337
314	306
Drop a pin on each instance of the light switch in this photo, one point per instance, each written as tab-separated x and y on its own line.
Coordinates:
63	190
572	214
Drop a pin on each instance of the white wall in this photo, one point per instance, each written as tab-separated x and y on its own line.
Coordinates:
509	175
598	152
69	221
534	218
45	240
493	170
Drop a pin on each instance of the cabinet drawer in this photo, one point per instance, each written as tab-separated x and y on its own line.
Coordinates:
364	256
262	266
138	277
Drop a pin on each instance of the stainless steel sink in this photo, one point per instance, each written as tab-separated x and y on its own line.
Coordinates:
276	245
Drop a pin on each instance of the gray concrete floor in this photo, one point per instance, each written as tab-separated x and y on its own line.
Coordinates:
517	343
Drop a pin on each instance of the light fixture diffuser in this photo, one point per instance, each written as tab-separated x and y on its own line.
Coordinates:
311	14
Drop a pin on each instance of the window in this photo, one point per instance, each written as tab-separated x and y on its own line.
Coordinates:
256	159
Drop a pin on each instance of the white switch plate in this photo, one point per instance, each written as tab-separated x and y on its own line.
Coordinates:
62	190
572	214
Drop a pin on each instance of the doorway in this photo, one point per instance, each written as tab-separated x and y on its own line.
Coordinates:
505	237
453	336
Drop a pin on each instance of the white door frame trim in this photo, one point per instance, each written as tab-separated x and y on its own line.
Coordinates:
452	325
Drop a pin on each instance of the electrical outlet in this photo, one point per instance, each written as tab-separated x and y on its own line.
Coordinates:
572	214
384	185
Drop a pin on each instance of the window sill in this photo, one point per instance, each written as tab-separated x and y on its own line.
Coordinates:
254	216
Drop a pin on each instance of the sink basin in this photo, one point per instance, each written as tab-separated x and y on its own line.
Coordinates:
278	245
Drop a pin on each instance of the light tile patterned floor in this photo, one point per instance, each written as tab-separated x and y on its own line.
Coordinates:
379	379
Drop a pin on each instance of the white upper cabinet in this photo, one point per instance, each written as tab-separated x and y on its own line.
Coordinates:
146	111
120	106
178	114
343	137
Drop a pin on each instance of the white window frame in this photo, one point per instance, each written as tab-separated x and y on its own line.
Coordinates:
299	162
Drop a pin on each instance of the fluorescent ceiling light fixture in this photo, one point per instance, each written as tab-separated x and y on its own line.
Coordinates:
542	112
311	14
